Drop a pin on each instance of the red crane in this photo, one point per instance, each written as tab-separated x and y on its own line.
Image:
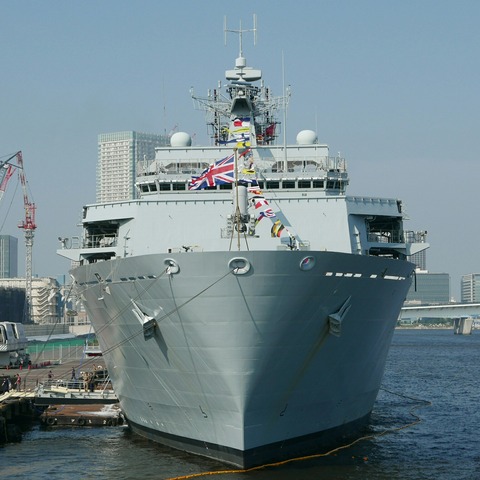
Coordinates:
28	225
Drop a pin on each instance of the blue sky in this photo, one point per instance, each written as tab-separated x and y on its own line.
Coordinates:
391	85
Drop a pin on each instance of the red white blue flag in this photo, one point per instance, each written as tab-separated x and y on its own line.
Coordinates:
219	173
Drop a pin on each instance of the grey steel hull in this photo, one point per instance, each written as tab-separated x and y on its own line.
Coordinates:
246	367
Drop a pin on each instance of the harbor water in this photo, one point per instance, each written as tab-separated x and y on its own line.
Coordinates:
424	425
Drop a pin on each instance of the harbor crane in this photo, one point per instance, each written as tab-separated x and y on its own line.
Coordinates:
6	171
27	224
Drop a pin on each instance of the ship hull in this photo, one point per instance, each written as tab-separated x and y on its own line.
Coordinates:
305	445
246	357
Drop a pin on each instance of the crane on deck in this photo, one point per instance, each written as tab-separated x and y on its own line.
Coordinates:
27	224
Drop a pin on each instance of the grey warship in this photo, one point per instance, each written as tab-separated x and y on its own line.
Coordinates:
244	303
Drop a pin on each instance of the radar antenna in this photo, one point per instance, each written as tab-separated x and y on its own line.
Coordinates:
240	32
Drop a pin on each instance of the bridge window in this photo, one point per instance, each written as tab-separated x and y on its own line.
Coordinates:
304	184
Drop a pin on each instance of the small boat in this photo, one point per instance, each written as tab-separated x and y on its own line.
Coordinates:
92	388
91	415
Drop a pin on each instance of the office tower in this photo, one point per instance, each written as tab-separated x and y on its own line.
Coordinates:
8	256
429	288
420	258
118	154
470	288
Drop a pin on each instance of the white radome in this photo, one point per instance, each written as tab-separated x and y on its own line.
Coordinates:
181	139
306	137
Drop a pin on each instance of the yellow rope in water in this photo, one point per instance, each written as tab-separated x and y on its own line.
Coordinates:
417	420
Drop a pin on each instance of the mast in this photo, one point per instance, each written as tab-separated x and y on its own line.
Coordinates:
240	32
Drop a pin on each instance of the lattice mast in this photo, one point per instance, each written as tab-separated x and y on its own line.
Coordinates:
265	106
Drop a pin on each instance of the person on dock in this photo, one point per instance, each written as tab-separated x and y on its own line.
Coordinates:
86	376
6	385
18	383
74	377
91	382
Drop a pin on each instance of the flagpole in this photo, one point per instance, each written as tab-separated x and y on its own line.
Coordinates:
285	160
237	210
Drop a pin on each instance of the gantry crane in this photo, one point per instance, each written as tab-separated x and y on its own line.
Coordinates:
27	224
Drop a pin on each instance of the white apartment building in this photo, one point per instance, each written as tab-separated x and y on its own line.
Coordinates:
470	287
118	154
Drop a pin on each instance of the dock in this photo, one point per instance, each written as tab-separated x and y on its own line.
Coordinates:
53	395
15	412
91	415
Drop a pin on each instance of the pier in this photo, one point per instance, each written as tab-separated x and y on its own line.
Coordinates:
15	411
88	415
49	394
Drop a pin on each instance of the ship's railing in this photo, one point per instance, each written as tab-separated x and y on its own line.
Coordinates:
310	164
100	241
386	237
415	236
301	164
395	236
78	384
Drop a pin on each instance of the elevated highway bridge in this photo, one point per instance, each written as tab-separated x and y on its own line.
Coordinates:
448	310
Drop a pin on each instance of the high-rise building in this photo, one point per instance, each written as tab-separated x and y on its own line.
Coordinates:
470	287
8	256
45	301
12	304
118	154
429	288
420	258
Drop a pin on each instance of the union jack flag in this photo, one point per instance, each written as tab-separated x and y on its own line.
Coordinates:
219	173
